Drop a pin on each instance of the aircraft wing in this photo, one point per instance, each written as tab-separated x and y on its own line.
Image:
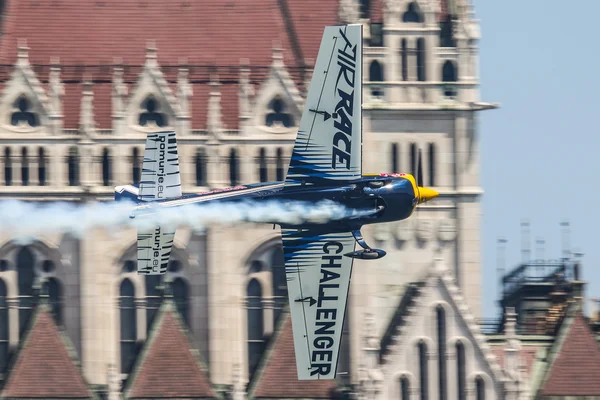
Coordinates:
329	142
318	279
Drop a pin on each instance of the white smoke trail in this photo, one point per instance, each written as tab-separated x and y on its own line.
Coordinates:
24	220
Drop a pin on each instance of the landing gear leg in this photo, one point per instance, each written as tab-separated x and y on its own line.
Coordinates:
368	253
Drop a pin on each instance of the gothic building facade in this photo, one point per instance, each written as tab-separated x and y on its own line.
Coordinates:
83	84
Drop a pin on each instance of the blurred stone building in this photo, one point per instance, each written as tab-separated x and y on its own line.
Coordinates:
82	83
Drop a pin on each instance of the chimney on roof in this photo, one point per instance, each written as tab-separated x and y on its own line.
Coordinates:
22	51
151	51
277	53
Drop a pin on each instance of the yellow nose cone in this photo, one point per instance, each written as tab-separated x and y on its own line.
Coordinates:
426	194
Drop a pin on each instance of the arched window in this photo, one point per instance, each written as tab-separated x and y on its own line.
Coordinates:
3	327
365	8
255	324
376	75
106	167
153	298
136	171
41	166
25	279
23	114
279	282
279	165
233	167
413	160
7	167
128	325
460	369
53	289
262	165
375	71
449	75
180	295
394	156
421	70
423	372
404	388
412	14
73	166
479	388
431	164
441	337
404	58
200	168
24	167
278	114
152	115
447	32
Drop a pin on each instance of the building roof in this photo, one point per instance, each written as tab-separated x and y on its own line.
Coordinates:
200	34
574	363
277	376
44	367
168	367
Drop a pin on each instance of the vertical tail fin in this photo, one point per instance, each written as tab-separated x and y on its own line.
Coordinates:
160	179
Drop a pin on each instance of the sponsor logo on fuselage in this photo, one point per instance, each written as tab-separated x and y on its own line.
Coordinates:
327	318
344	92
160	170
156	250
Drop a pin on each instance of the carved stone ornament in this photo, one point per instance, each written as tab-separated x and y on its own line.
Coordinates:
447	229
424	229
393	6
403	230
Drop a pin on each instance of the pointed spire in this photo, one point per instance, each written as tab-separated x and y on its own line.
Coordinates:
349	11
151	53
22	52
119	87
86	118
184	89
246	90
215	122
238	384
57	89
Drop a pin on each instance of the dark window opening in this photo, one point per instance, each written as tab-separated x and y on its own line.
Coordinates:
279	283
262	165
412	14
24	167
421	70
180	295
73	166
129	266
460	368
413	159
53	289
153	298
395	161
431	164
365	8
128	320
41	166
404	388
376	75
25	279
480	388
255	325
4	327
136	171
441	336
24	116
449	75
447	32
404	60
7	167
151	115
423	372
279	167
200	168
278	114
106	167
233	167
376	35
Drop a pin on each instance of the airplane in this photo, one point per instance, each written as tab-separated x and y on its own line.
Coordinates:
326	163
